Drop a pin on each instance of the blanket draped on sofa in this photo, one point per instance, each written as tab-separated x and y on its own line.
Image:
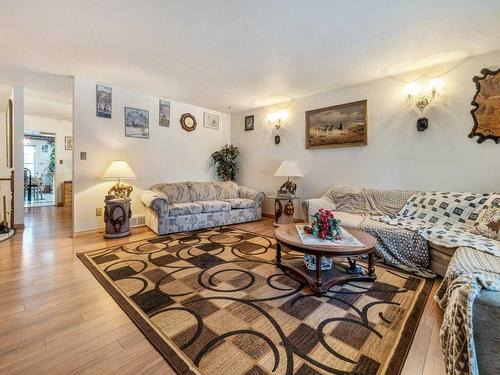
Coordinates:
469	271
445	218
399	247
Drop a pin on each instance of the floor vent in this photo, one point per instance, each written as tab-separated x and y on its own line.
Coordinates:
137	220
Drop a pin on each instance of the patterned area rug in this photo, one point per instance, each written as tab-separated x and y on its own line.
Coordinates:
212	302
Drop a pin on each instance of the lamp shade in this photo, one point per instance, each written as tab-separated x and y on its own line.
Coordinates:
119	169
288	168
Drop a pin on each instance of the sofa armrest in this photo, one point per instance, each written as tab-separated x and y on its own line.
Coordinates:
155	201
248	193
311	206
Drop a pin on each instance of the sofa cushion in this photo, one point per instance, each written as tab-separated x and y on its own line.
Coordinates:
214	206
241	202
226	190
349	220
488	223
173	192
201	191
187	208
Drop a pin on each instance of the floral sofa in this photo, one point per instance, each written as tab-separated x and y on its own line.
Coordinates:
184	206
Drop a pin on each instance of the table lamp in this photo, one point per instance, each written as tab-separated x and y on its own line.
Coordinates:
119	170
288	169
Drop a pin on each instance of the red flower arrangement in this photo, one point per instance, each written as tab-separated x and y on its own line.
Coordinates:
324	225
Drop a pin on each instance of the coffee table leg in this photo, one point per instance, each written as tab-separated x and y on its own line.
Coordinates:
318	281
278	254
371	264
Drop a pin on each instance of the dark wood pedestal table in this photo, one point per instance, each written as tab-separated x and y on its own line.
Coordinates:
320	281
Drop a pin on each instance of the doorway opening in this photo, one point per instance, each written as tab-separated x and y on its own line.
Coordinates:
39	168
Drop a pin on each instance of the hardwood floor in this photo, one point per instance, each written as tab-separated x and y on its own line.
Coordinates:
55	318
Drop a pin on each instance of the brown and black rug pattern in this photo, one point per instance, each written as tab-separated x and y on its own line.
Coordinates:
213	302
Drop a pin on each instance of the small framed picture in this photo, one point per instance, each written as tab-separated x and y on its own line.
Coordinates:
249	122
68	143
211	121
45	148
164	113
103	101
136	123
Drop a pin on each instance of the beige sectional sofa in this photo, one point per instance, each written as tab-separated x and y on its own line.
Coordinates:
184	206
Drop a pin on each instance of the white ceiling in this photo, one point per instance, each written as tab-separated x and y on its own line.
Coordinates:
238	53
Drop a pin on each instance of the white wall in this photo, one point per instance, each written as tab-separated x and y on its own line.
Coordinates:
170	154
4	171
18	125
397	156
61	129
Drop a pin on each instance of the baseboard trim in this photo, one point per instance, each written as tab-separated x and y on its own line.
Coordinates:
295	220
84	233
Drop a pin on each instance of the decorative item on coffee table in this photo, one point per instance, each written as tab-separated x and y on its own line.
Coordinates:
325	227
117	211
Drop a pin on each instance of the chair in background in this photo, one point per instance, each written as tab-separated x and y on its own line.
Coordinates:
32	185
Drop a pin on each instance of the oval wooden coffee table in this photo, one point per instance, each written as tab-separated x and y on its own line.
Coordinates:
320	281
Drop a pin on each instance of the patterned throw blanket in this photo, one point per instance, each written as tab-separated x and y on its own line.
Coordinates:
446	219
468	272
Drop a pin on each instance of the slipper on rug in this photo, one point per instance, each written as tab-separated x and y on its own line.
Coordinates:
6	236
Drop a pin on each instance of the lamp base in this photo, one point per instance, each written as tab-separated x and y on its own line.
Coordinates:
287	189
120	190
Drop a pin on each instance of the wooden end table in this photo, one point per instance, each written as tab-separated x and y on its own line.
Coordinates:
283	209
320	281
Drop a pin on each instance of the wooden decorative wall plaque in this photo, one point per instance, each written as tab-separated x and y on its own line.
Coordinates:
486	103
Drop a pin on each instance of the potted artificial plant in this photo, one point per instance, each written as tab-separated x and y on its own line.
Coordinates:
225	162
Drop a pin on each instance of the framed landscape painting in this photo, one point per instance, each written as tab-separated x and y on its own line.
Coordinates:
103	101
342	125
136	123
164	113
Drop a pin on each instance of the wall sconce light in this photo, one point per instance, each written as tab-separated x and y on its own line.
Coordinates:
276	120
416	96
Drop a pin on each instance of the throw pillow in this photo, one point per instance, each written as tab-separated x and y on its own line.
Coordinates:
226	190
488	224
201	191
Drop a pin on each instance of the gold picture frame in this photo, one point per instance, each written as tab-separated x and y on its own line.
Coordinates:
344	125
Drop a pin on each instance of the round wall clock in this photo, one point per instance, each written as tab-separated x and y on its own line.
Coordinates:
188	122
